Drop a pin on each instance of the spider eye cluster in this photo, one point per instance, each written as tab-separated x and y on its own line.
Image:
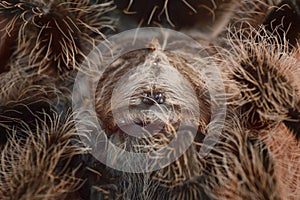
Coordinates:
153	98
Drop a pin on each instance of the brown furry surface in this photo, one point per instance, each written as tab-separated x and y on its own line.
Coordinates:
241	166
263	70
38	166
53	37
286	153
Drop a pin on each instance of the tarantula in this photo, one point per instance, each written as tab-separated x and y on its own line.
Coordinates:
240	71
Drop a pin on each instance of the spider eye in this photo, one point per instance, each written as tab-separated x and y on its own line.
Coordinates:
159	98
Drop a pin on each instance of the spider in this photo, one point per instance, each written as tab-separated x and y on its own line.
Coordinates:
253	44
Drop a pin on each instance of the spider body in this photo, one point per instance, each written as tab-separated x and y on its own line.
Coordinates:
154	92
